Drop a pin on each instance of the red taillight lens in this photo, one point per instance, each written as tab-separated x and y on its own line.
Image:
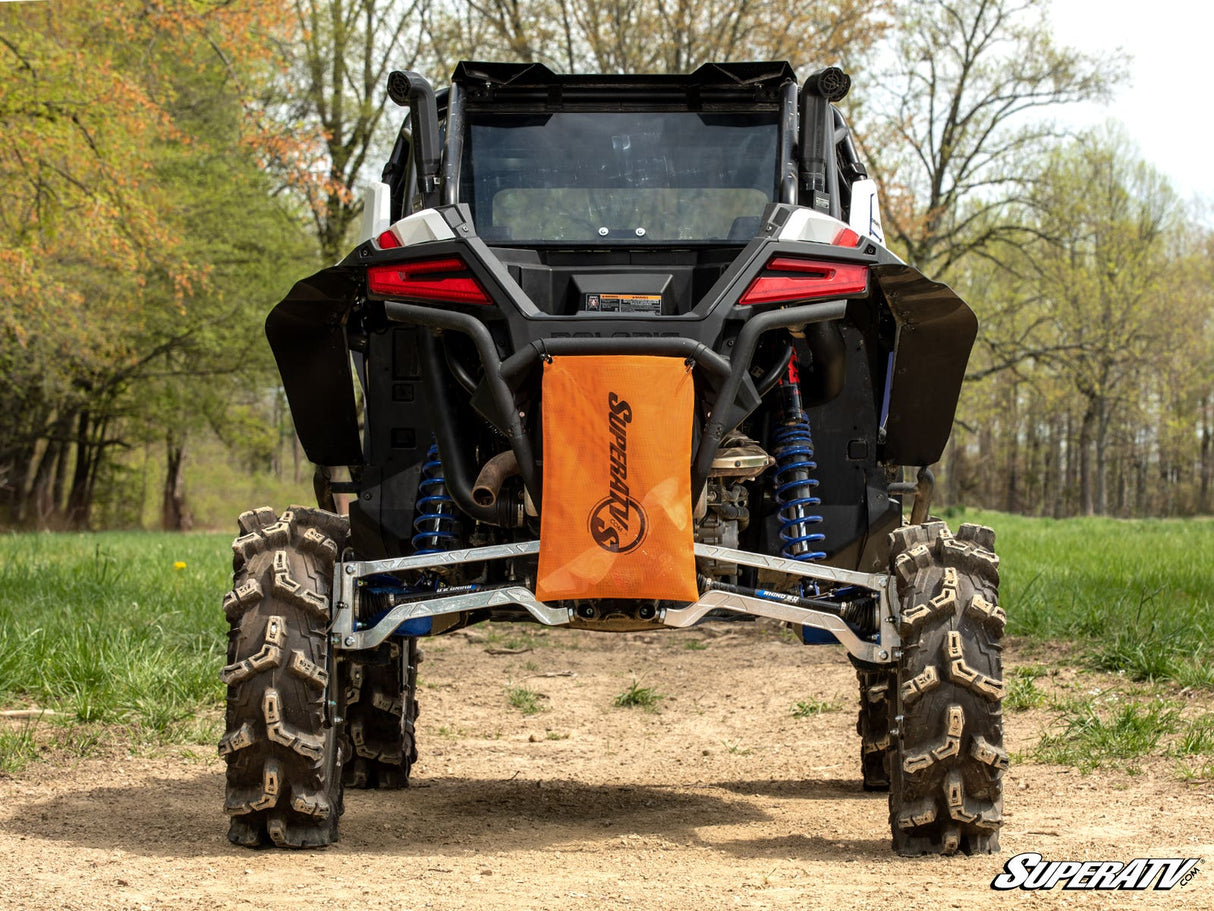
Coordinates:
846	238
387	240
804	279
429	280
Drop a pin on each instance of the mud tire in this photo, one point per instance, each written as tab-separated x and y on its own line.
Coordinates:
283	764
946	770
874	723
379	688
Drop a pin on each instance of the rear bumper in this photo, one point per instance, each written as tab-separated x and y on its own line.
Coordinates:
520	601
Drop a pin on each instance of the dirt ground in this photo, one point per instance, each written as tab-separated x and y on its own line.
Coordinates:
718	799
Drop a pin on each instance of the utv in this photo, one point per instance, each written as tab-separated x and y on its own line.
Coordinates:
615	353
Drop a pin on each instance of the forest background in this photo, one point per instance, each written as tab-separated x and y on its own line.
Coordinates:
170	168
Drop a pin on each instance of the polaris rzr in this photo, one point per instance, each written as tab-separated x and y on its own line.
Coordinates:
615	353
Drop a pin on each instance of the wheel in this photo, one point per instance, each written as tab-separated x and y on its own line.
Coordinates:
874	723
284	767
946	773
378	732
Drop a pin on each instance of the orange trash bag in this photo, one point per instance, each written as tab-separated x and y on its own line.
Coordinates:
616	518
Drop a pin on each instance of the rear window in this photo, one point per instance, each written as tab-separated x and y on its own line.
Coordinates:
649	177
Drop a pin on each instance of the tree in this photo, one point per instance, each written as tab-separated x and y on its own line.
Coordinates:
1096	365
671	36
324	115
122	135
962	113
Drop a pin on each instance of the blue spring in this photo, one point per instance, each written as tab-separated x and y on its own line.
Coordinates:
435	523
794	453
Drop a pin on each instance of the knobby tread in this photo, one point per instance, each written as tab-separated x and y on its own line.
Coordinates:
948	759
874	722
379	732
281	787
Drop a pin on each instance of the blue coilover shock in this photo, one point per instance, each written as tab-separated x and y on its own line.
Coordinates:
794	453
435	523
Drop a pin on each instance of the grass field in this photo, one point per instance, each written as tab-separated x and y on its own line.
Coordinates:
122	632
118	629
1132	596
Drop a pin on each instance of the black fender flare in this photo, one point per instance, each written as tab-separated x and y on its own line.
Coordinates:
307	333
935	334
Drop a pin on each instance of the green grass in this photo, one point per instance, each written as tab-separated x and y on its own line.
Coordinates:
524	699
1137	597
804	708
1022	690
108	629
637	696
1022	693
1118	740
1196	739
18	747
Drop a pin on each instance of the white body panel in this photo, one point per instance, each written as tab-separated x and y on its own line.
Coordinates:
421	227
866	210
377	212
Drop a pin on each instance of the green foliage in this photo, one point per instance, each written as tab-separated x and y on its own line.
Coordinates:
1092	741
956	129
1197	738
804	708
109	629
524	699
1022	693
141	244
1133	596
18	747
637	696
1097	345
1195	771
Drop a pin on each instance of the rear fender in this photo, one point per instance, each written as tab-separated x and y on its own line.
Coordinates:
935	332
307	334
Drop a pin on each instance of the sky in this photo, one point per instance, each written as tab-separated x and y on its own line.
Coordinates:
1167	105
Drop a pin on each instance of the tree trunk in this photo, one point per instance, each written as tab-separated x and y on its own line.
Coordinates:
173	513
1207	453
60	485
1012	487
953	474
1087	487
39	506
1034	487
17	482
79	500
1102	456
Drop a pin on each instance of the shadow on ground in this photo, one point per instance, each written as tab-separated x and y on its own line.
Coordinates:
162	817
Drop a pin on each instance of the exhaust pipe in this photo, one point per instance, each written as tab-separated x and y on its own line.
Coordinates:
489	482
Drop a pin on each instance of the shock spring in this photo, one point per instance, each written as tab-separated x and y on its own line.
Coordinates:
436	526
795	486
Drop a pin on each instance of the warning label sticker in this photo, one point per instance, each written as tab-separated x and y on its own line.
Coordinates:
623	303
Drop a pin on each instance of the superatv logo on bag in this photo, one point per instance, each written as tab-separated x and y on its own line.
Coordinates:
616	515
618	523
1030	871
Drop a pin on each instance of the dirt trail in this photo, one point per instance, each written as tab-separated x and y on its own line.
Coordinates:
720	799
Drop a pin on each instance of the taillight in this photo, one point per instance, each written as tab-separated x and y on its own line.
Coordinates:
846	238
447	280
786	279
